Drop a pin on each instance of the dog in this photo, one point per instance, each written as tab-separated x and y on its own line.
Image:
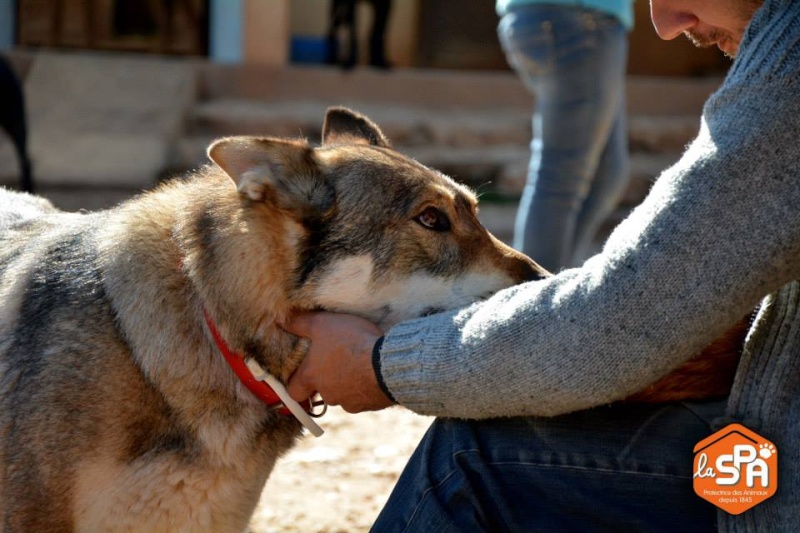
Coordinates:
119	410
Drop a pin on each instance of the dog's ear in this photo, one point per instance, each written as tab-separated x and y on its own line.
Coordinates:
344	126
280	170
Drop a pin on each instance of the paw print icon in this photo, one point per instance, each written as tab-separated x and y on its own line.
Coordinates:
767	450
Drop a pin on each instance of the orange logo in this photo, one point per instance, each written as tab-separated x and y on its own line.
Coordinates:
735	469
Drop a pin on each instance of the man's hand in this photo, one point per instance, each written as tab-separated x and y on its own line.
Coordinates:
339	361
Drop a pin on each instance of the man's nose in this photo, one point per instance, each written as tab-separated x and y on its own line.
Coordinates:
668	21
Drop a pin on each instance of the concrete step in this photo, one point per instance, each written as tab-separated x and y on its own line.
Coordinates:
403	124
485	148
411	126
98	119
434	89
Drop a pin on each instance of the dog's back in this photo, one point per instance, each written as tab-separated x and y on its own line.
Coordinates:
52	312
16	208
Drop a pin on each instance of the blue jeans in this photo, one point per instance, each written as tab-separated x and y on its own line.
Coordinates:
620	468
574	62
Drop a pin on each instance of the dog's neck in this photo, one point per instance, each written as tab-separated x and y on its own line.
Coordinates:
242	319
263	385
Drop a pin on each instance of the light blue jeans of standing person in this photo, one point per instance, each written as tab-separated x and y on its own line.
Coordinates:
620	468
574	62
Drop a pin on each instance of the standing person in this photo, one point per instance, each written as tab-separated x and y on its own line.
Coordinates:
381	10
530	433
572	55
343	18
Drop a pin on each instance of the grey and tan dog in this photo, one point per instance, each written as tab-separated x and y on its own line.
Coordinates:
118	411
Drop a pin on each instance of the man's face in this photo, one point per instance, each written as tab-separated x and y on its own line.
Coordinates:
704	22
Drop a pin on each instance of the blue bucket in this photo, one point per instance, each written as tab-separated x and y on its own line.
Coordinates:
308	49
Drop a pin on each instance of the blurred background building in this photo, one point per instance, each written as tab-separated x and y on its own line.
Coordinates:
442	34
124	93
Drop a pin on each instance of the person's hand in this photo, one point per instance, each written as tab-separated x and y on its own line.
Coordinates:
338	364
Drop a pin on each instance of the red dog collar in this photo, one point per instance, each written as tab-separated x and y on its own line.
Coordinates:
236	361
256	385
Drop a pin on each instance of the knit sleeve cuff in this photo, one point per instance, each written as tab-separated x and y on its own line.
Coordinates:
376	367
401	367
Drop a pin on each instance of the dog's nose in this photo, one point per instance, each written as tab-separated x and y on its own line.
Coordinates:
523	268
535	271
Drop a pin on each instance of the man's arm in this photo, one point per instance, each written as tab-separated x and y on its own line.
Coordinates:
718	232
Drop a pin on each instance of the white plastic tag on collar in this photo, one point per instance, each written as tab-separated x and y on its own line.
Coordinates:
295	408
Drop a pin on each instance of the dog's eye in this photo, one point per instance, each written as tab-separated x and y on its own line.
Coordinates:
434	219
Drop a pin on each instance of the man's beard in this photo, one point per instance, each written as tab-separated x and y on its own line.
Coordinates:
705	41
722	38
714	38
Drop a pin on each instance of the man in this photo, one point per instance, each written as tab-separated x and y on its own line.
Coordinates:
718	236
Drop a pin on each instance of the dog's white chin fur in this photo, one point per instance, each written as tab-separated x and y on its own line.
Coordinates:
350	287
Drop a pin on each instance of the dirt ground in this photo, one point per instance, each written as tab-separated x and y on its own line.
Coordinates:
339	481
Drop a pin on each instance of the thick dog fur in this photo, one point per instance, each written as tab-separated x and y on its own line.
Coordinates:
117	411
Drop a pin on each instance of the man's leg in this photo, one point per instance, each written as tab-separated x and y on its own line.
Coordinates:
377	40
615	468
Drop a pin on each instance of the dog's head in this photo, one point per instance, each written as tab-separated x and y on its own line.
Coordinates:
375	233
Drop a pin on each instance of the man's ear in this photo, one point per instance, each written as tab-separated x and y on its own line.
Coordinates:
344	126
278	170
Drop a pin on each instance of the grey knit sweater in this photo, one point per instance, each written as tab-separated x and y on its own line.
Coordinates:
718	233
